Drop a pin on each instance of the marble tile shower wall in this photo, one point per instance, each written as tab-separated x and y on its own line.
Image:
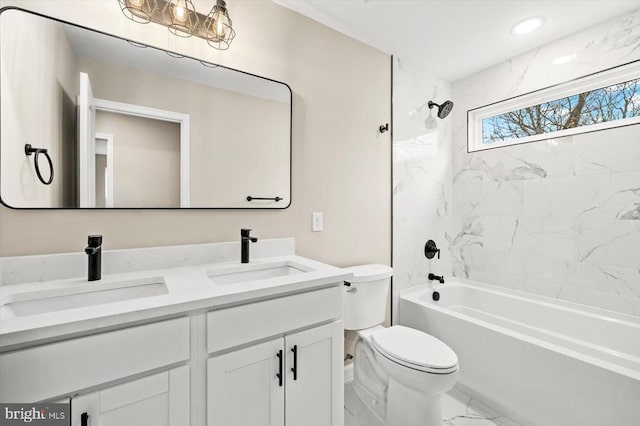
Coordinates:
560	217
421	176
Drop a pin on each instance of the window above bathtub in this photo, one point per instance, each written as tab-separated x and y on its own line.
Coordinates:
598	101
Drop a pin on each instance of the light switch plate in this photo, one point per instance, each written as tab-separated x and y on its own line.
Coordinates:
316	223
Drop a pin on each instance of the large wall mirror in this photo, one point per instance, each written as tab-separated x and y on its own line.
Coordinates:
130	126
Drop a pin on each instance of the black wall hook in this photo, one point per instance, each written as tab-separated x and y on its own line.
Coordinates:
28	150
384	128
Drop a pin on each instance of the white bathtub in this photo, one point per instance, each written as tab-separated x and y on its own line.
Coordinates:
541	361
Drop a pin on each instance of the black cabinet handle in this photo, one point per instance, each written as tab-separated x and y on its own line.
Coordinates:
294	370
84	419
280	360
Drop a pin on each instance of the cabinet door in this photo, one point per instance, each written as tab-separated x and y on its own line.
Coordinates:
315	377
158	400
243	389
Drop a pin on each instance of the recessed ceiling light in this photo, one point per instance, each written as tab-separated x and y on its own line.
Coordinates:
527	26
563	59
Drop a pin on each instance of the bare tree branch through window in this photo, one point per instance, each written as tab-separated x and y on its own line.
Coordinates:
611	103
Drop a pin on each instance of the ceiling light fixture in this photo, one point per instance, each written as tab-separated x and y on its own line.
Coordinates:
218	27
527	26
139	11
563	59
182	19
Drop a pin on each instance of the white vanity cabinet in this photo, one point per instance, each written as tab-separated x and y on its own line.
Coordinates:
314	395
242	388
160	400
275	358
295	379
116	377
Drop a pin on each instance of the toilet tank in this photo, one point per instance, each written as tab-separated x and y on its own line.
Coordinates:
365	300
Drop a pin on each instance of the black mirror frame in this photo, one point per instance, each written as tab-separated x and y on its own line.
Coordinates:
206	63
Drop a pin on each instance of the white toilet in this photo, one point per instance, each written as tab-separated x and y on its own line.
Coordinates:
399	372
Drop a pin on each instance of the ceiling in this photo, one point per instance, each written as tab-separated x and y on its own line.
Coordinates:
456	38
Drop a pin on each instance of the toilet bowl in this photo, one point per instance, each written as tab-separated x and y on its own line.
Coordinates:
399	372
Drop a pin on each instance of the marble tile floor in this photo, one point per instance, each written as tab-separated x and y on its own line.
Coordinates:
458	409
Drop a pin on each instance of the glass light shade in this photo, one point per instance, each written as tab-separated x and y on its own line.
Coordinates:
139	11
181	17
218	27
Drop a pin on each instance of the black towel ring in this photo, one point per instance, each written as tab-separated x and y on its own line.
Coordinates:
28	149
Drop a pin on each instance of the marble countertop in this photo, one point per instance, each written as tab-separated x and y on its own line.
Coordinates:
189	289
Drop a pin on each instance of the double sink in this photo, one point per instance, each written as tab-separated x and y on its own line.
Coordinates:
79	293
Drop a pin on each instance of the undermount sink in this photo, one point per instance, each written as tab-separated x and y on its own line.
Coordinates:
254	272
78	296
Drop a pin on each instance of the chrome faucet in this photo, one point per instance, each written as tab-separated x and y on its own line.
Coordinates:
94	251
245	239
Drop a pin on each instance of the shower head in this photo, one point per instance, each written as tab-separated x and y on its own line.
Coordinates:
443	109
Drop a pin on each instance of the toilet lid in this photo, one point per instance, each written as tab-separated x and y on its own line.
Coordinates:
367	273
415	349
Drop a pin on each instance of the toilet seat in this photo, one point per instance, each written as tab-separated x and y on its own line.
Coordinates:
414	349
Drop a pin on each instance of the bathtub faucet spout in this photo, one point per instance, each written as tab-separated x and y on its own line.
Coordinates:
439	278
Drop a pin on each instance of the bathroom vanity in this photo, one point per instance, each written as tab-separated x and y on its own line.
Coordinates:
195	344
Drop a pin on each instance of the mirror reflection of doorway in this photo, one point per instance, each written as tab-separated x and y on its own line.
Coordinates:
101	180
144	160
148	166
104	170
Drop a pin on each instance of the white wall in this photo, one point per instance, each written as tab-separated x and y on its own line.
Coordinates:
560	217
421	176
341	165
29	82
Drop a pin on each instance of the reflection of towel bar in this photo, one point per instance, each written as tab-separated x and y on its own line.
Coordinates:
276	199
28	150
